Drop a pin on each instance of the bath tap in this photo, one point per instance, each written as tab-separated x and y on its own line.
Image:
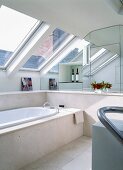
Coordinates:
46	104
57	109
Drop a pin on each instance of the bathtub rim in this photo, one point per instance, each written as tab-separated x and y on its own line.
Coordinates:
63	112
28	119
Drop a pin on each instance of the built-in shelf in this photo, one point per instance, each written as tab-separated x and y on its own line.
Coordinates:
71	82
65	76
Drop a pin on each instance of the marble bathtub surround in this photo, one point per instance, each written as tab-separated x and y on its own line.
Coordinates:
89	102
25	143
16	142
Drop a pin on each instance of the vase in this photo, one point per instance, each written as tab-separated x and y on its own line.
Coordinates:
107	90
99	91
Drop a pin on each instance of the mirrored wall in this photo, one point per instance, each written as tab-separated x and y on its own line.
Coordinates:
100	59
104	58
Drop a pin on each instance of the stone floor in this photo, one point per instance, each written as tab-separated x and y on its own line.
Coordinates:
73	156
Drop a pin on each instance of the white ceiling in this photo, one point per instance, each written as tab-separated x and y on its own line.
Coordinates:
74	16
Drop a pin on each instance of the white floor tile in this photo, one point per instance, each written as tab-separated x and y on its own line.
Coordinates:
73	156
82	162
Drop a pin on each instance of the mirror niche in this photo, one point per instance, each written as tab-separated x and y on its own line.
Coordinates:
100	59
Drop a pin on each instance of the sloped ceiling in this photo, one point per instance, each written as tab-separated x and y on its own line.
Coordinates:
74	16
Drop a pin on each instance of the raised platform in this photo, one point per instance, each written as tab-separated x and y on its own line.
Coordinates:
107	151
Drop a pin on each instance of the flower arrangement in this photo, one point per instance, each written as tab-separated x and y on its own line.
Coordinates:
102	85
107	85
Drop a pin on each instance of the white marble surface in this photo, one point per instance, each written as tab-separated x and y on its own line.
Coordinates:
89	102
62	112
21	99
86	93
24	145
61	91
73	156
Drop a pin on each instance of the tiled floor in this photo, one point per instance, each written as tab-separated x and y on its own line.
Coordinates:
73	156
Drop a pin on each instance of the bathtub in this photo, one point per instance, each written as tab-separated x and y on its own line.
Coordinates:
19	116
27	142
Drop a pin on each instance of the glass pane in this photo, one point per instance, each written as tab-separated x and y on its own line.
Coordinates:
14	28
74	56
105	68
104	64
97	54
4	57
104	36
69	58
47	48
34	62
120	66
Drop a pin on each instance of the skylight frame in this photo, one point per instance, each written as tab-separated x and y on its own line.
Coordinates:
109	60
103	65
55	53
80	53
22	43
97	54
23	54
70	62
95	57
72	45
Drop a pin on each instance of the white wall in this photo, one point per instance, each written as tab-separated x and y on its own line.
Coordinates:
110	73
22	99
45	80
8	84
13	83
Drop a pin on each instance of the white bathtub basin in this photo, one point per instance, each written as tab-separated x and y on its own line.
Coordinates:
14	117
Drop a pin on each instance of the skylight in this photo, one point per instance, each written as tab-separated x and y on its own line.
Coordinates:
103	64
67	59
73	55
50	47
68	54
97	54
107	61
15	27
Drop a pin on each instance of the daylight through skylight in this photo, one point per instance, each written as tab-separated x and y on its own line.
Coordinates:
73	54
14	28
52	45
68	54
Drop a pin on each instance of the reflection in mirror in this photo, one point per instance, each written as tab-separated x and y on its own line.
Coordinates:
104	58
104	36
99	60
69	69
120	66
104	67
